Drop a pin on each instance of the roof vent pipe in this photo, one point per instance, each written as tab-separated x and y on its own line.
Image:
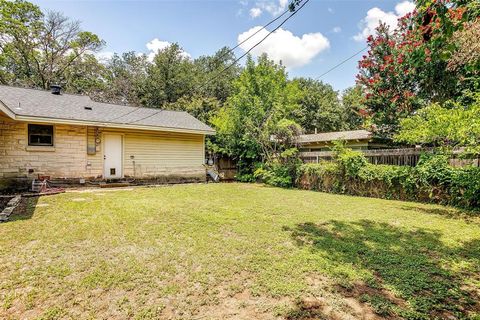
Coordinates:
56	89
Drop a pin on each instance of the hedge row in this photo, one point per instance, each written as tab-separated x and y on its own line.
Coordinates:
432	180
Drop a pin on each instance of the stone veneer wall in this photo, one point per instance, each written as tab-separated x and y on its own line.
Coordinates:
20	162
152	156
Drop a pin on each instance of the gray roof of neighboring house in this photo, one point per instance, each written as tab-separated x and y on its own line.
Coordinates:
44	104
332	136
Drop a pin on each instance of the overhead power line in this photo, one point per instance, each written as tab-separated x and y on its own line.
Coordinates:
243	55
226	53
256	32
125	114
342	62
256	44
263	39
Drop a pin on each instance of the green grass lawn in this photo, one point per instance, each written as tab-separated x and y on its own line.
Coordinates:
237	251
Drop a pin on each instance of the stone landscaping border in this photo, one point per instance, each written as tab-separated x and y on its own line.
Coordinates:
11	205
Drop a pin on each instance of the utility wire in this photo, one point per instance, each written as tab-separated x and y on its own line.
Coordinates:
256	44
223	55
242	56
256	32
317	78
342	62
149	116
125	114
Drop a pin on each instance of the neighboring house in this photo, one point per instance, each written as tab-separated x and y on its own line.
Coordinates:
356	140
73	138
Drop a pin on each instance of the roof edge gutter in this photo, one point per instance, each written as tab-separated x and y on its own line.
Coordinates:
6	110
109	125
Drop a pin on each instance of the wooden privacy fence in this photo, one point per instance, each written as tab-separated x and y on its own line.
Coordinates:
399	157
227	167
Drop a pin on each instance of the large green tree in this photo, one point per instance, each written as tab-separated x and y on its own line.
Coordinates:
37	49
353	106
86	75
262	98
216	73
170	76
212	83
320	107
444	125
125	79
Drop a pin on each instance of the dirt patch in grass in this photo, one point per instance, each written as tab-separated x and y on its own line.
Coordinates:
327	300
3	202
410	262
240	305
371	302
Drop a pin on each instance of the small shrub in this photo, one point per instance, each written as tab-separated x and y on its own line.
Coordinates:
465	188
351	161
319	176
246	177
433	169
275	174
282	171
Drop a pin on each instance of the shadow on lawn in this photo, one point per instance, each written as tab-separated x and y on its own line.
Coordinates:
451	213
406	262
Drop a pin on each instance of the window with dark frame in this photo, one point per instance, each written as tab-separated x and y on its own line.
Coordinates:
40	135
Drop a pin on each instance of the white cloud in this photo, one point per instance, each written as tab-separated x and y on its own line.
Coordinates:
284	46
156	45
255	12
104	55
404	7
274	7
377	15
337	30
330	10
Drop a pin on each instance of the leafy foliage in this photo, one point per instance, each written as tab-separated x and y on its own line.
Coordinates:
448	125
125	79
262	102
215	74
408	67
352	161
353	107
169	77
245	105
281	171
281	168
432	180
256	110
38	49
320	107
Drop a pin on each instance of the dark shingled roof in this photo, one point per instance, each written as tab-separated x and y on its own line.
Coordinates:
332	136
44	104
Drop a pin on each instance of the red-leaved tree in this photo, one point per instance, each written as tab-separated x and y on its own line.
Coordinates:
406	68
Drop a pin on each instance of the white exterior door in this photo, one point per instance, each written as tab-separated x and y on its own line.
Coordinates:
112	156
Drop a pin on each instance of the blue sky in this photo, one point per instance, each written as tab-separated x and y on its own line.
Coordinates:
321	35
